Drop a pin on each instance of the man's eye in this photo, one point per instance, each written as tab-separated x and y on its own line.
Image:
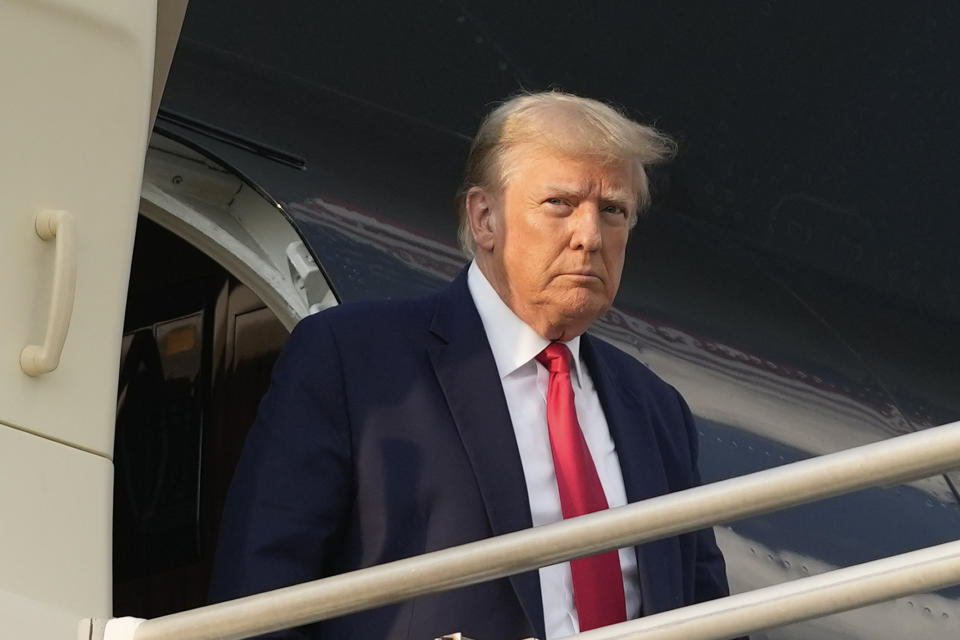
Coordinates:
556	201
615	209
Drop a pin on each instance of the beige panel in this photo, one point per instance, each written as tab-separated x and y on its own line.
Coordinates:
78	78
55	556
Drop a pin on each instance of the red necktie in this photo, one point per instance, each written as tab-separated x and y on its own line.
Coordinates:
597	580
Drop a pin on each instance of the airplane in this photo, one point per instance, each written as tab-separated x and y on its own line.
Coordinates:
795	278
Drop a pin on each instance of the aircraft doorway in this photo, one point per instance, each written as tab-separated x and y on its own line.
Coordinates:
198	348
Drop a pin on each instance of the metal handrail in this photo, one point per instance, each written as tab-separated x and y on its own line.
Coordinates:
831	592
892	461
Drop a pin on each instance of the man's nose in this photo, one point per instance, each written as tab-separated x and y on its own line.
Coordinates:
585	232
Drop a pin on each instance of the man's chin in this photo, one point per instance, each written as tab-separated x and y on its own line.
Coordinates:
580	312
564	313
587	298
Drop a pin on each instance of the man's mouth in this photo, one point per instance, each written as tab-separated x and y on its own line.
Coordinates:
586	271
585	275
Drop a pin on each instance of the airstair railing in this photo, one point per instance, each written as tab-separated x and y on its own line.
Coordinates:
831	592
892	461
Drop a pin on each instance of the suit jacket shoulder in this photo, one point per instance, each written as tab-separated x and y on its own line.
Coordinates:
374	319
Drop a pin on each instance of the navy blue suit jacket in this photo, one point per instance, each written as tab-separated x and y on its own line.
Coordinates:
385	434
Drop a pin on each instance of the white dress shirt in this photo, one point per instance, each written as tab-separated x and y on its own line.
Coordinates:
515	345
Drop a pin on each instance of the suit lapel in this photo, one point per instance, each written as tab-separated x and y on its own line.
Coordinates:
643	472
467	373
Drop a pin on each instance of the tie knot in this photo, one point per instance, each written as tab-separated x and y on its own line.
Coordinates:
556	358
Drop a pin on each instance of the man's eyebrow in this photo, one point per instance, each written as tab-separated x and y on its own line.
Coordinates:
622	197
568	190
618	196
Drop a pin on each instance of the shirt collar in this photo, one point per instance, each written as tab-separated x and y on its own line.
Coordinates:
512	341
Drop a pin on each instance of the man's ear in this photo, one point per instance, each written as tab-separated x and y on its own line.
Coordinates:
481	207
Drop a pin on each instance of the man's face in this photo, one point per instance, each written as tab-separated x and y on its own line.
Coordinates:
556	239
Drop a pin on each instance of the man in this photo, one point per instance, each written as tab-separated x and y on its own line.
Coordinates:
396	428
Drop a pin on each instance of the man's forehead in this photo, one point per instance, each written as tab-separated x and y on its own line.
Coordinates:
576	173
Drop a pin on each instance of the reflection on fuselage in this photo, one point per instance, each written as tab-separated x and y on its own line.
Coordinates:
927	616
812	412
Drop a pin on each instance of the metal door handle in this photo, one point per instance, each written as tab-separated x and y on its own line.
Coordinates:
38	359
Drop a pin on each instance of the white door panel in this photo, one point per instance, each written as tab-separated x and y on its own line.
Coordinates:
56	552
77	83
77	78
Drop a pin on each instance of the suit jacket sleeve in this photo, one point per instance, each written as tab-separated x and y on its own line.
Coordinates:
290	498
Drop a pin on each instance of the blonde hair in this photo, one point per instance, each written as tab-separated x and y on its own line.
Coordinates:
559	122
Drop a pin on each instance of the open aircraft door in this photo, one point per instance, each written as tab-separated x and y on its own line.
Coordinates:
78	77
